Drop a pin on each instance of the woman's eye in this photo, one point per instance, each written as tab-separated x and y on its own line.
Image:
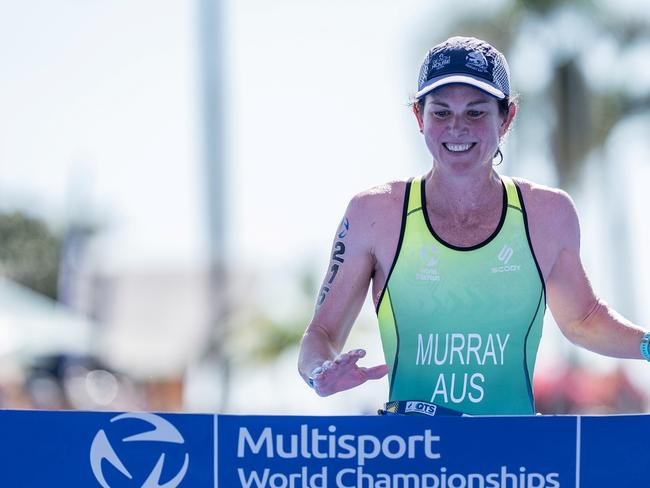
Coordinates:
441	113
474	113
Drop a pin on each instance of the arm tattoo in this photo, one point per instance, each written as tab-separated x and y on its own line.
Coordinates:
337	255
339	251
345	227
334	269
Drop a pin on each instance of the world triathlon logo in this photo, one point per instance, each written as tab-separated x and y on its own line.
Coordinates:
104	457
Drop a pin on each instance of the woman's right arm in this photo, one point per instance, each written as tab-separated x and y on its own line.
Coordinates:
321	362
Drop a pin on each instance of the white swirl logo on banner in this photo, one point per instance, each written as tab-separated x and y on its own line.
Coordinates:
163	431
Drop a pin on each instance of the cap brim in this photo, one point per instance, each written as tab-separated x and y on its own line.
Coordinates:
463	79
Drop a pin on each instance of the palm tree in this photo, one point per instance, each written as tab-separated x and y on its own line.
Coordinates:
29	252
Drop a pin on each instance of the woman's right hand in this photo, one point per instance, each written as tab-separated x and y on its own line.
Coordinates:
343	373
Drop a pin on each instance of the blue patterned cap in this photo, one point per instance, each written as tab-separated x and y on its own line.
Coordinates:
465	60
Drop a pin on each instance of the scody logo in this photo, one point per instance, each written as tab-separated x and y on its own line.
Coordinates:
163	431
504	256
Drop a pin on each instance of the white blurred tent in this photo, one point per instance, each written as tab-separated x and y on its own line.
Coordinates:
32	324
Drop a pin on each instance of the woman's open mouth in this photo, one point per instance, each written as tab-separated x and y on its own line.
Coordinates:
458	147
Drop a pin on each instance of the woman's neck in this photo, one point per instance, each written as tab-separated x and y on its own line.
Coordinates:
461	197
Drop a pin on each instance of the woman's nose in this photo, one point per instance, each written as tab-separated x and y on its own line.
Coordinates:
457	123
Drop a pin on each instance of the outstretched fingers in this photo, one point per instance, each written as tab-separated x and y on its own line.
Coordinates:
376	372
342	373
372	373
352	356
342	361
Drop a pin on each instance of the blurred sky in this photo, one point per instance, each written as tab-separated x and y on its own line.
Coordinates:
100	115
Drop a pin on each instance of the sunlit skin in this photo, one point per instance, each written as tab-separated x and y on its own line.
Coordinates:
463	181
460	114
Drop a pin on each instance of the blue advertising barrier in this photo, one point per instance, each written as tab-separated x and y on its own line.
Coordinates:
146	450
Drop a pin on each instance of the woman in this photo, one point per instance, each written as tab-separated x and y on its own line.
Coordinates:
462	262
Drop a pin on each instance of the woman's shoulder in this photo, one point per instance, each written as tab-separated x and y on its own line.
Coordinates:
380	197
547	205
379	208
536	194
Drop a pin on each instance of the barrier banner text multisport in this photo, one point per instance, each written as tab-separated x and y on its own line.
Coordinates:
420	452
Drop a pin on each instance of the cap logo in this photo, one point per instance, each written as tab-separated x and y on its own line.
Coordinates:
440	62
476	61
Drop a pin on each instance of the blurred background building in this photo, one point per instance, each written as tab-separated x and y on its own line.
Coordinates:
171	176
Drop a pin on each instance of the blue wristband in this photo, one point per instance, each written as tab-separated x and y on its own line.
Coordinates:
310	378
645	346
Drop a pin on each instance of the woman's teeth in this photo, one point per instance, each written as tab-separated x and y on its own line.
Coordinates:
457	147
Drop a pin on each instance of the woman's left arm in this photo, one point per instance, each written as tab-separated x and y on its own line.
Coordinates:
582	317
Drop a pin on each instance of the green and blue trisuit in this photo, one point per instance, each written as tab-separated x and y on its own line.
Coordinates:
460	326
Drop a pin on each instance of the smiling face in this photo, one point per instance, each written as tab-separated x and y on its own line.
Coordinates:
462	127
